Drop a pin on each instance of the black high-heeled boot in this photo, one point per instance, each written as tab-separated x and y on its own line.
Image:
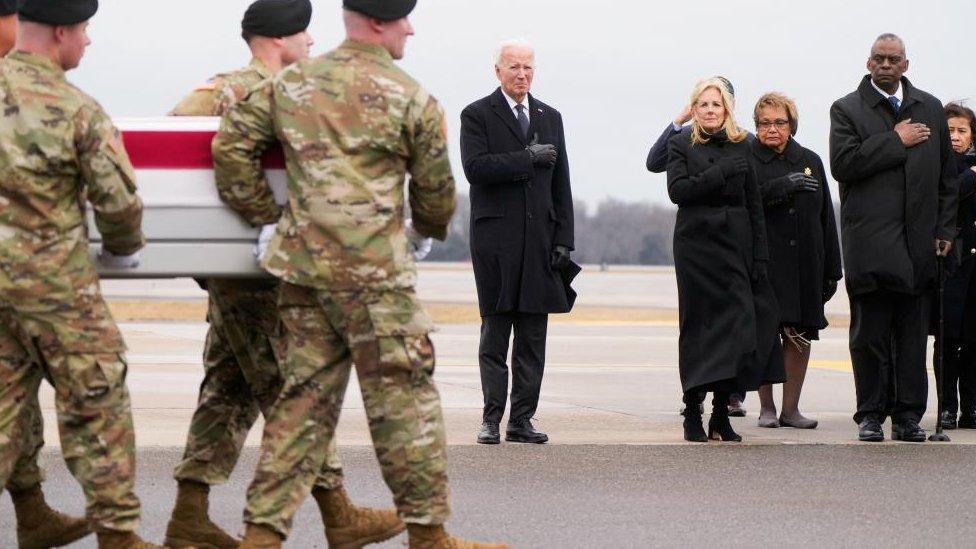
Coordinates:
694	432
719	427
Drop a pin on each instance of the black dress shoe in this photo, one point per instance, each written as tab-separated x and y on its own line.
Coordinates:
948	420
908	431
523	431
967	421
489	433
869	430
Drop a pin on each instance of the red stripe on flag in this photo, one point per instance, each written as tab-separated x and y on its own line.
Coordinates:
182	150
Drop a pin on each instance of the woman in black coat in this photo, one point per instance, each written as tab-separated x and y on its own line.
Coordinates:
726	307
959	384
804	250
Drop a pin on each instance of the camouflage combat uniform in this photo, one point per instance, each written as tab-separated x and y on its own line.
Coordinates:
58	149
352	125
243	346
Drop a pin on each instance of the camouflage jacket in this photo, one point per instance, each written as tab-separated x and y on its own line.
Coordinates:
352	125
58	149
222	91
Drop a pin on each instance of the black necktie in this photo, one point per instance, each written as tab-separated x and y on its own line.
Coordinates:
523	120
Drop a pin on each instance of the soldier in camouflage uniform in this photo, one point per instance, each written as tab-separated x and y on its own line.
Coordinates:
243	345
352	125
60	150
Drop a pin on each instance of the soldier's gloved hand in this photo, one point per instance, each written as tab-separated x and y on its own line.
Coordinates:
113	261
560	258
733	165
796	182
264	238
830	288
542	155
420	245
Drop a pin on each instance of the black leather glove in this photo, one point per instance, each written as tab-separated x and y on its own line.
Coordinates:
560	258
760	271
796	182
541	155
830	288
733	165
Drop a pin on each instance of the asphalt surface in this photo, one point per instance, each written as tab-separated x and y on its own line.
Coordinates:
635	496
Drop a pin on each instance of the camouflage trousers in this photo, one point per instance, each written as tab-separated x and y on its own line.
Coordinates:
386	335
94	417
241	380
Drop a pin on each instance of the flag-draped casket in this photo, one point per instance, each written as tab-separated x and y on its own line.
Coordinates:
190	231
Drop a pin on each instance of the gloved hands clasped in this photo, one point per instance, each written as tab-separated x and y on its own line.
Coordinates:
264	238
732	166
542	155
113	261
420	245
796	182
560	258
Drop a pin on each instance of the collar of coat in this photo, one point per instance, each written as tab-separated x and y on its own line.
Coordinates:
370	49
793	152
37	61
873	98
500	105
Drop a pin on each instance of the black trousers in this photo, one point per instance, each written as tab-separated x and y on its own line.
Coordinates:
959	383
887	341
528	362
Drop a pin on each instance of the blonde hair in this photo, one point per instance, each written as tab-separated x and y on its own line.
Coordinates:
732	130
777	100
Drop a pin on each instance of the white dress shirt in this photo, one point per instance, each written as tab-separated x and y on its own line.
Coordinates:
512	104
897	95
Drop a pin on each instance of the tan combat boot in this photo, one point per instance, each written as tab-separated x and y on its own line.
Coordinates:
351	527
260	537
39	526
190	525
435	537
112	539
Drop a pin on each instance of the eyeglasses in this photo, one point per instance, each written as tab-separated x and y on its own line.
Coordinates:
767	124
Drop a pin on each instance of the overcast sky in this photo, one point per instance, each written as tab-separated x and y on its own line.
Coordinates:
618	70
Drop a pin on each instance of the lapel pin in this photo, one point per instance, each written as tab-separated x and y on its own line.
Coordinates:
808	171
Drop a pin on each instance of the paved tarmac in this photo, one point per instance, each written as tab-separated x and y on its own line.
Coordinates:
623	496
617	472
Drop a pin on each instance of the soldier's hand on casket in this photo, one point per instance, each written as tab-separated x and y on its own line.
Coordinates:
264	238
541	154
560	258
420	245
830	288
108	259
732	166
798	182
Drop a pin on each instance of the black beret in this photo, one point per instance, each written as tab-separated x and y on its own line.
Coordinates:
384	10
8	7
277	18
58	12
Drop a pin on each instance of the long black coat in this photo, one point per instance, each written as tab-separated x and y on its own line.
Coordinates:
895	201
519	213
803	247
960	287
728	325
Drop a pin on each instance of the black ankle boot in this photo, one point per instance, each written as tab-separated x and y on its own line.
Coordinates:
719	427
694	432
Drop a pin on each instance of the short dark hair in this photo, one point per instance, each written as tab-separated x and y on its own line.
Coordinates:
890	36
958	110
247	36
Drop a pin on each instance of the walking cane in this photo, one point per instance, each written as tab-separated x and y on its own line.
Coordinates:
938	435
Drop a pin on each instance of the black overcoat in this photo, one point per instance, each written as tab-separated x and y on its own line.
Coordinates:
960	287
518	212
895	201
804	250
728	324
